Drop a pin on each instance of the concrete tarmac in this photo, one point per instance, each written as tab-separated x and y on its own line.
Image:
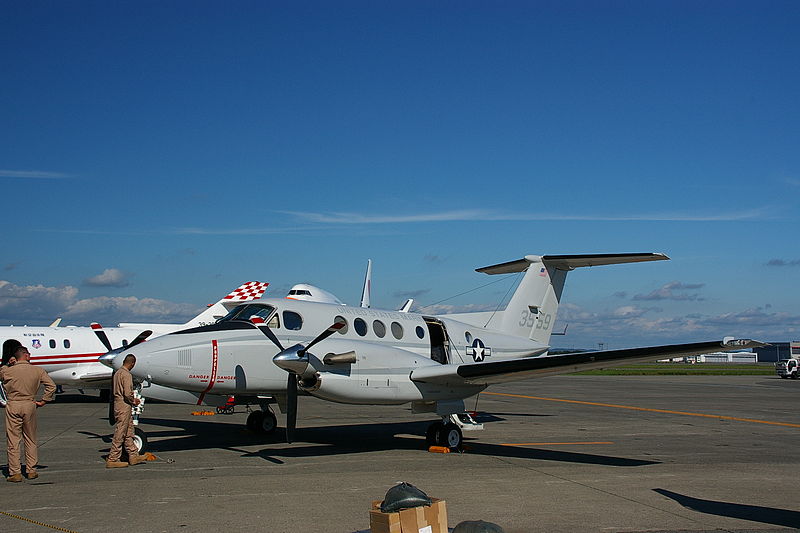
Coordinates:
559	454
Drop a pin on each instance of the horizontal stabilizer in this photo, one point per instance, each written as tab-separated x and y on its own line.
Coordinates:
570	262
530	367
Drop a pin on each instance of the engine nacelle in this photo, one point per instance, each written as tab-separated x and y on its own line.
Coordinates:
377	375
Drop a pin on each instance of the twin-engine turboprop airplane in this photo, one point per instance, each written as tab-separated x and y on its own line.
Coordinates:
372	357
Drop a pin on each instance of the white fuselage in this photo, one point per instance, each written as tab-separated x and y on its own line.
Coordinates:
234	357
70	354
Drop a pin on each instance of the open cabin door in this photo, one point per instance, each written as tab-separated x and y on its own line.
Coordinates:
440	347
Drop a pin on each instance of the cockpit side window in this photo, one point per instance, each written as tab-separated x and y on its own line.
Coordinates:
247	311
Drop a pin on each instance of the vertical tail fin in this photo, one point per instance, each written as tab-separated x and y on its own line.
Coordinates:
367	290
532	310
252	290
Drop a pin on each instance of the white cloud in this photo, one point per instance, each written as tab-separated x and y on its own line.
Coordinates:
38	304
629	326
482	215
668	292
130	309
34	301
110	277
32	174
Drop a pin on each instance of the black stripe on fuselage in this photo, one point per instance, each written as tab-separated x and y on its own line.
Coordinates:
228	325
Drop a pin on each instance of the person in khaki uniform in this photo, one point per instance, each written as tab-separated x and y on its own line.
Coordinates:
22	382
122	388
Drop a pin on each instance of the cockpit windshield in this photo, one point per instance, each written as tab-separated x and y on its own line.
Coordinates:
247	311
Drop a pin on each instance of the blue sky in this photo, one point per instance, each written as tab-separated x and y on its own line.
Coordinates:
154	155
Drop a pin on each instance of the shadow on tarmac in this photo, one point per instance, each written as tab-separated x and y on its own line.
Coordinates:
754	513
339	440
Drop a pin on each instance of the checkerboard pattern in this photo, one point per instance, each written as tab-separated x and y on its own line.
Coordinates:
251	290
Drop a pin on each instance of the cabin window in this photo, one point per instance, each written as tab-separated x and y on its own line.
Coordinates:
397	330
52	343
420	332
124	342
341	319
468	337
66	343
379	328
292	320
361	326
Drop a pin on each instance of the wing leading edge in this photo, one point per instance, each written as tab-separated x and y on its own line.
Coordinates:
532	367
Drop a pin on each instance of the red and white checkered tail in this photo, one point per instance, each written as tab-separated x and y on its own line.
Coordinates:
252	290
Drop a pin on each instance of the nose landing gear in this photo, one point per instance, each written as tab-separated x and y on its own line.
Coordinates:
262	422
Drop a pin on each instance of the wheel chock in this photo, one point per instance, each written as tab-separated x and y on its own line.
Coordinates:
439	449
150	457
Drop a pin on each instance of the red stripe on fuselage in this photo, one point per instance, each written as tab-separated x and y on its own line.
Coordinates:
35	358
214	360
65	362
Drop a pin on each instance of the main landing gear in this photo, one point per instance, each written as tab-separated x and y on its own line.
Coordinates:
262	422
448	431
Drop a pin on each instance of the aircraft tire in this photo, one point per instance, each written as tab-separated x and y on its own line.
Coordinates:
432	435
268	423
451	437
254	421
140	440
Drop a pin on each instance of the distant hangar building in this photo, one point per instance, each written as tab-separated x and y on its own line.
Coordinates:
776	351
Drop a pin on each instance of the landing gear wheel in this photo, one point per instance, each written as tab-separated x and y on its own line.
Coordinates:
254	420
262	422
450	436
268	423
140	440
432	435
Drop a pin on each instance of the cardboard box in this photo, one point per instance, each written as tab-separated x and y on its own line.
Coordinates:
428	519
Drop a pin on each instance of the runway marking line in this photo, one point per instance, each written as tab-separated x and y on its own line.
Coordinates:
553	443
37	523
666	411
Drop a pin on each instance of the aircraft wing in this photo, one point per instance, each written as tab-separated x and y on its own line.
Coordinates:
96	377
532	367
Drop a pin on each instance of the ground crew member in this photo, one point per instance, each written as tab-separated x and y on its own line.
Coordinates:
122	388
22	382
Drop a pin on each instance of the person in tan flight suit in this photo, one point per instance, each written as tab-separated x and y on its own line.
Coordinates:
22	382
122	389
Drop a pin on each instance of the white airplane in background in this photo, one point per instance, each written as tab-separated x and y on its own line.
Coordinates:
70	354
372	357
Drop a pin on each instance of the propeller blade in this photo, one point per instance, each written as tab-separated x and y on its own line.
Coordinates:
140	338
262	326
336	326
291	407
98	330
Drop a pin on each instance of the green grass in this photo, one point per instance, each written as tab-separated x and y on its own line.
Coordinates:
683	369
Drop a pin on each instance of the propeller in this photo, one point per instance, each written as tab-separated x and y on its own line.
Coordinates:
295	361
108	357
98	330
